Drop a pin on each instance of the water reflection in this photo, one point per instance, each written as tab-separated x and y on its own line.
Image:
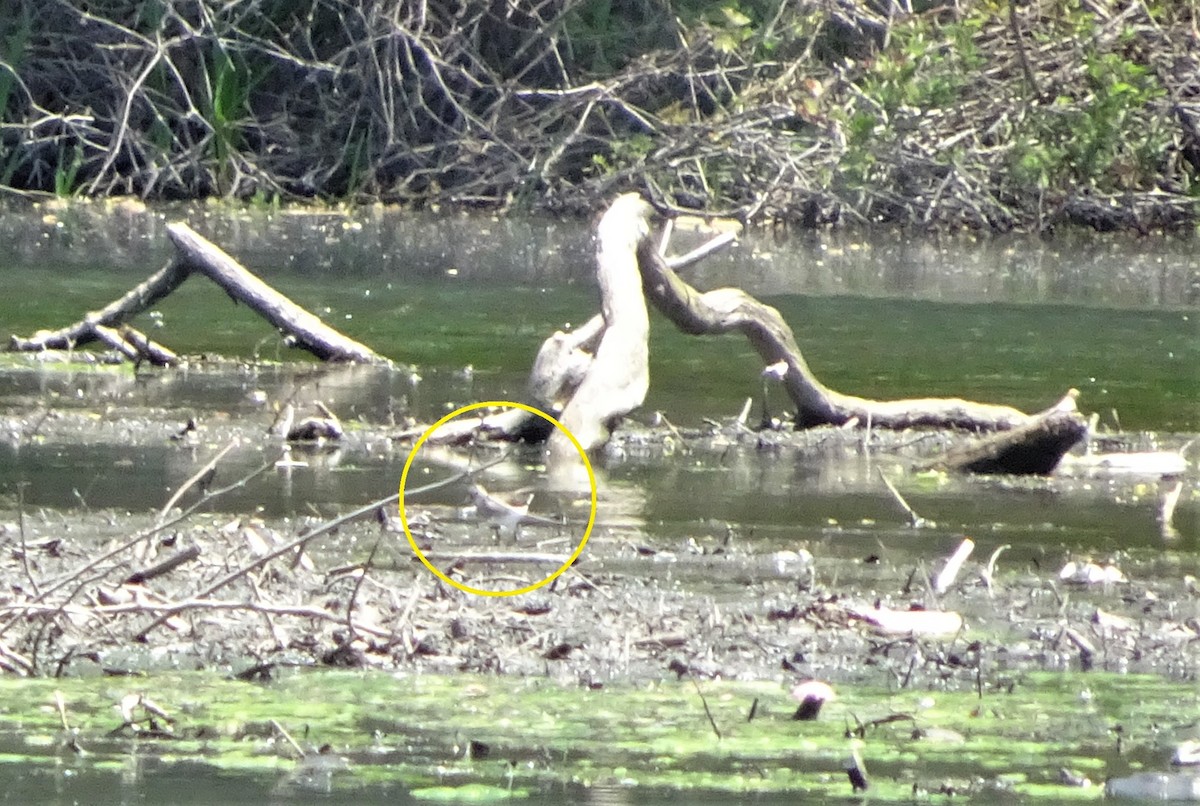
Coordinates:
1074	267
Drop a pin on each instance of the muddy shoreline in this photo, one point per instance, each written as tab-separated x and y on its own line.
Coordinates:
715	603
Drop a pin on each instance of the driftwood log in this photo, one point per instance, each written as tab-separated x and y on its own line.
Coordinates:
615	380
306	330
1033	448
569	377
196	254
137	299
727	309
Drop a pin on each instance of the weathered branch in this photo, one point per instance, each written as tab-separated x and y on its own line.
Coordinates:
198	254
147	348
1035	447
110	337
616	379
165	567
726	309
309	332
135	345
136	300
562	362
598	373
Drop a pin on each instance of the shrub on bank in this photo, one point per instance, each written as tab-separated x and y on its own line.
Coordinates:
983	114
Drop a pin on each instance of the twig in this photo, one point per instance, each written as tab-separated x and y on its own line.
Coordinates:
195	478
15	663
165	567
700	252
62	711
324	528
989	572
494	557
1026	67
704	702
173	608
358	585
24	544
78	574
288	737
683	443
72	740
949	572
914	520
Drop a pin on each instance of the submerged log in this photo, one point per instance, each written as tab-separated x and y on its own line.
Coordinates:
308	331
1033	448
117	312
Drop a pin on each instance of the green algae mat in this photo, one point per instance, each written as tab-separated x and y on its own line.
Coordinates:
369	736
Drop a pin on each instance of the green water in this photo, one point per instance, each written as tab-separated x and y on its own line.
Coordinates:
405	739
1115	319
1140	364
1008	320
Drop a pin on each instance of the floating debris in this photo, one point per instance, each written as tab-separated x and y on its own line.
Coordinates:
1155	786
812	695
1089	573
1187	754
910	622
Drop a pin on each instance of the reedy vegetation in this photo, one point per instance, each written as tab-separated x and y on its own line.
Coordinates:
988	114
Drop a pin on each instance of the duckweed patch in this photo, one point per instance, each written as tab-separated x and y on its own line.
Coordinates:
480	739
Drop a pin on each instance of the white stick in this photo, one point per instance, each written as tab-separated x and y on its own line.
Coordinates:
949	572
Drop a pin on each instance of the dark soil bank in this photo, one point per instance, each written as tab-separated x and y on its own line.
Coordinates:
980	114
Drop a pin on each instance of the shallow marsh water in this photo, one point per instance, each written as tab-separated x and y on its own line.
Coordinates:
537	742
462	304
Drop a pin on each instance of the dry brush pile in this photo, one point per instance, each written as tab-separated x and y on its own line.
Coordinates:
979	113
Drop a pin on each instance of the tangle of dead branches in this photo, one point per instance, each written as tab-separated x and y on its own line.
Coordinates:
812	113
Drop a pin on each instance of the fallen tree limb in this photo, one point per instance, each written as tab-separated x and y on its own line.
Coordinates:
117	312
308	331
726	309
568	375
617	378
1035	447
135	345
111	338
147	348
510	424
107	325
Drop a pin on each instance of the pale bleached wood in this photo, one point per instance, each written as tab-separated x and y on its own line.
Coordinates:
306	329
615	380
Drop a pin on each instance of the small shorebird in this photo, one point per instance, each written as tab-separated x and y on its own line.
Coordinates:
505	516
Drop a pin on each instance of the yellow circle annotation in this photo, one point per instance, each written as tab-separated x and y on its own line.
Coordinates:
498	404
